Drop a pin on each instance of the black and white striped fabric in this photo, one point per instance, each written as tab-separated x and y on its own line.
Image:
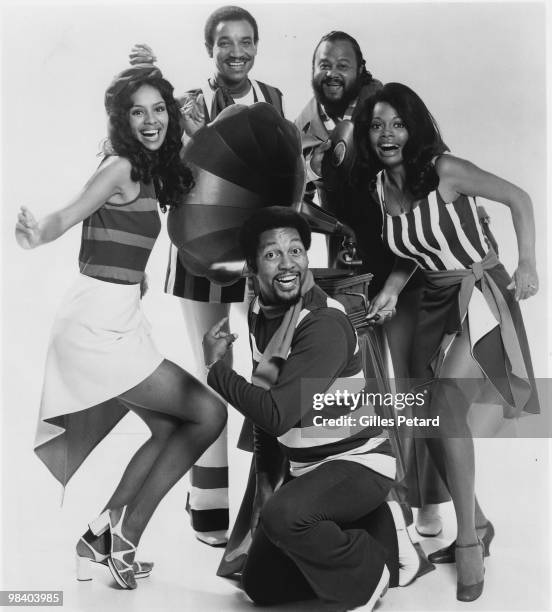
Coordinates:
435	234
308	446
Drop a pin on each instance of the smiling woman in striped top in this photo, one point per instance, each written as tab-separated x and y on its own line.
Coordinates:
101	360
469	324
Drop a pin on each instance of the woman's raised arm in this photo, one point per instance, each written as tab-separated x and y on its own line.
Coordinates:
109	180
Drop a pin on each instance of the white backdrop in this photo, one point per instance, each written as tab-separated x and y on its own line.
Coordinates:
480	67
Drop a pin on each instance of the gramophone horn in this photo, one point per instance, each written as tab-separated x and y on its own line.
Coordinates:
247	158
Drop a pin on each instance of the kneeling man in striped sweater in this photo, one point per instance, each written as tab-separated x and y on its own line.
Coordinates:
326	532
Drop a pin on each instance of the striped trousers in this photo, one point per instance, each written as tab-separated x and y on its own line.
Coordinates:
207	501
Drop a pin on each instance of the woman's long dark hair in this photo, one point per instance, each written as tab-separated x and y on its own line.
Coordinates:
424	139
172	178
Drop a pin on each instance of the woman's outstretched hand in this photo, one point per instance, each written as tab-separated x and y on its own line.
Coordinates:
525	281
382	307
27	232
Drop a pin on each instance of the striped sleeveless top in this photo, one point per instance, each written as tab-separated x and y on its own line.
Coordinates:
117	239
306	445
436	235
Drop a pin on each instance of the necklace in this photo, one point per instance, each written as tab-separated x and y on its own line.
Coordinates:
400	198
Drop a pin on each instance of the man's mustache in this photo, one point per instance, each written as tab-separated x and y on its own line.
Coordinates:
333	81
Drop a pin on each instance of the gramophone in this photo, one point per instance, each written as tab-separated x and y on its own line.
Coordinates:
248	158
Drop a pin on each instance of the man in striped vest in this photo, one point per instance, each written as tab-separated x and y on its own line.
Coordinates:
326	531
231	37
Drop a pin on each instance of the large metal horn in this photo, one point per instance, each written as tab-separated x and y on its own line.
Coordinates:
247	158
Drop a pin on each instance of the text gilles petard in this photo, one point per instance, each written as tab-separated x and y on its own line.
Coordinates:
355	401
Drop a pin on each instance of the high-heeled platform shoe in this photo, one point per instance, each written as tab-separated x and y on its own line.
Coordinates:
448	553
121	548
87	553
470	592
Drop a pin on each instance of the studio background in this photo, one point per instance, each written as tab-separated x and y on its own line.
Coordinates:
480	68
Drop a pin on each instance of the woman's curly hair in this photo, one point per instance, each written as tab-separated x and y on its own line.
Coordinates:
424	139
171	177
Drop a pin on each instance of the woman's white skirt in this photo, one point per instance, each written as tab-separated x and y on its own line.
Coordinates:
100	347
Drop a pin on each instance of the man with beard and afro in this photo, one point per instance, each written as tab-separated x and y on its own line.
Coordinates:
340	83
